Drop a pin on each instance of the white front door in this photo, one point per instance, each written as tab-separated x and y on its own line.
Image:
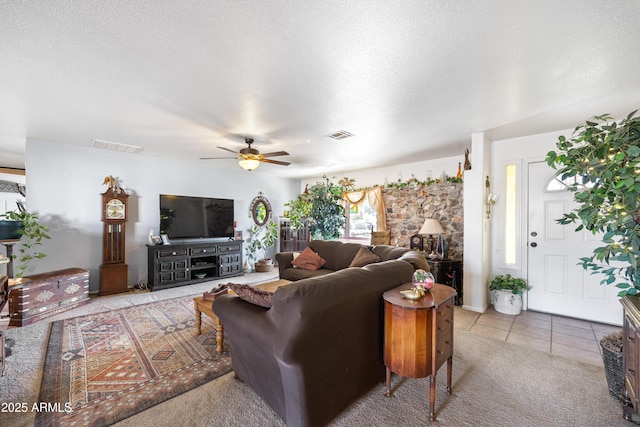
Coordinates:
559	285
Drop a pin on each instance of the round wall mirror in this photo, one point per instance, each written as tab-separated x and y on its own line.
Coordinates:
260	210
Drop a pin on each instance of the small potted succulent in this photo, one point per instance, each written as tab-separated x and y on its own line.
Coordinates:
507	293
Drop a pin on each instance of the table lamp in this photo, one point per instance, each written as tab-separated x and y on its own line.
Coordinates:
430	227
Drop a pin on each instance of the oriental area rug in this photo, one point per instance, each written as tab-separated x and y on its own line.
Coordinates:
105	367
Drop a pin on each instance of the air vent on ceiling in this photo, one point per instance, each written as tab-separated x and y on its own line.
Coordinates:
341	134
116	146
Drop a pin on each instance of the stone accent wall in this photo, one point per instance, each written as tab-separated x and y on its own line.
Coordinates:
408	207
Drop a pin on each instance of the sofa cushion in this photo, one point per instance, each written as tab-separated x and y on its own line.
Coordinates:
416	259
308	260
364	257
295	274
338	254
251	294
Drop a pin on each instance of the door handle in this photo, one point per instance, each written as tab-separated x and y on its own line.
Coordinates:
534	244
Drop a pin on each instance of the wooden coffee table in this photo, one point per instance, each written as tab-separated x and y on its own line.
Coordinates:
201	305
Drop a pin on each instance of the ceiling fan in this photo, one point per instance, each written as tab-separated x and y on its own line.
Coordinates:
250	158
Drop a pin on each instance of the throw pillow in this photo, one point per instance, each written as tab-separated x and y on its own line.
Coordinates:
308	260
364	257
295	255
252	294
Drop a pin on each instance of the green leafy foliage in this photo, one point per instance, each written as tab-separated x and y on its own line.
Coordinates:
508	283
33	233
260	239
298	211
320	208
604	158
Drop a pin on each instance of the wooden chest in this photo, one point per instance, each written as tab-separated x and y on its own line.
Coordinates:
47	294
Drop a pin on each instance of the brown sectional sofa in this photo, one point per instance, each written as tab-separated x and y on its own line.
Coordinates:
339	255
320	345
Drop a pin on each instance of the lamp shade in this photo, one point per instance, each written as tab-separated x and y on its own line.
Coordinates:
431	226
249	164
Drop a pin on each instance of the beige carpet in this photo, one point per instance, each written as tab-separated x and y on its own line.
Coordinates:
494	384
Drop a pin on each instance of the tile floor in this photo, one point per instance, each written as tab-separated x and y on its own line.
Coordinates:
564	336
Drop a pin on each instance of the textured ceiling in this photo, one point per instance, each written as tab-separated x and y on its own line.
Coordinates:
411	79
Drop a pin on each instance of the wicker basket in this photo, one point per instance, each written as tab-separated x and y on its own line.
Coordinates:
264	266
613	371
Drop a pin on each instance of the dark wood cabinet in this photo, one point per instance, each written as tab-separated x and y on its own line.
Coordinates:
183	264
630	356
293	240
448	272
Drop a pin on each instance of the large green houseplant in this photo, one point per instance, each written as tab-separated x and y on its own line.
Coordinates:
319	207
602	157
601	161
31	234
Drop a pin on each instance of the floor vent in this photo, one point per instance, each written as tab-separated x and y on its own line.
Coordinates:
341	134
115	146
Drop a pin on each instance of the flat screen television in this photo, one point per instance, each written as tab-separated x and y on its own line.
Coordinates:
186	217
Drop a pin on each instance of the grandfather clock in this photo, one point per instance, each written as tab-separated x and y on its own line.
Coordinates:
113	271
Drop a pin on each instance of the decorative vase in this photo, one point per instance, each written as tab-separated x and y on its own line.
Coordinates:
423	280
506	302
442	249
246	268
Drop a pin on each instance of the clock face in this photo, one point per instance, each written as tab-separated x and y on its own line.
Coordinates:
114	209
416	242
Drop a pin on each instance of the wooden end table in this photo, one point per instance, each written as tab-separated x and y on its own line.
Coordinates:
202	306
418	336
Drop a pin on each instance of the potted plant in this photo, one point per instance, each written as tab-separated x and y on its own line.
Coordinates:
31	234
320	208
602	159
260	239
507	293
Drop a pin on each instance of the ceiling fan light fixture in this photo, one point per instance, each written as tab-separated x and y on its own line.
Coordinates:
249	164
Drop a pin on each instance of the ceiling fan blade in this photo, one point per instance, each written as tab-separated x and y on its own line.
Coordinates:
226	149
275	154
216	158
276	162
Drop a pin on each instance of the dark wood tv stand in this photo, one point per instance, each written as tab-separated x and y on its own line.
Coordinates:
181	264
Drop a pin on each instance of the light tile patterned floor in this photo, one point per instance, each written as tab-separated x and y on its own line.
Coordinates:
564	336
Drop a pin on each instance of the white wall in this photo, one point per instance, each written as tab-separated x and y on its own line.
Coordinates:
65	183
477	248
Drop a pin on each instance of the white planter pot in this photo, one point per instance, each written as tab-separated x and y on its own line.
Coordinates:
507	302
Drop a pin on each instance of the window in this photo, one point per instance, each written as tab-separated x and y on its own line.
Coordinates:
510	216
360	221
558	184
